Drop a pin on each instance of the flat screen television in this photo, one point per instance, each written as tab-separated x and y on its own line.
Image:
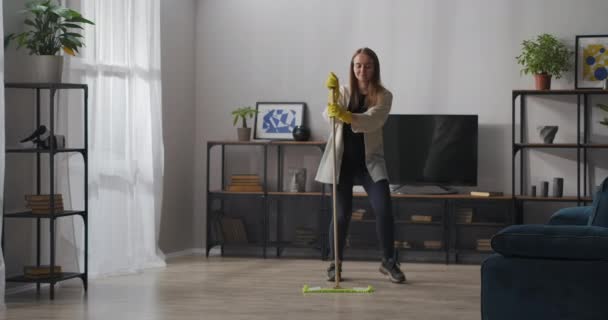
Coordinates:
431	149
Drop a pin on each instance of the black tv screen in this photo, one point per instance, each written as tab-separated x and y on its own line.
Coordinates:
437	149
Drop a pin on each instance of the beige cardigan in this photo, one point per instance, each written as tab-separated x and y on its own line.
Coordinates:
370	123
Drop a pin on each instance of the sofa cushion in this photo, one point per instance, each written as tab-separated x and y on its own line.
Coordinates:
599	215
571	216
552	242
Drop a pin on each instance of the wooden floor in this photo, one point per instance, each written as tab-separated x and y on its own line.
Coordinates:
232	288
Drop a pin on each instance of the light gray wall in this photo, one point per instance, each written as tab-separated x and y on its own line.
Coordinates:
436	57
178	81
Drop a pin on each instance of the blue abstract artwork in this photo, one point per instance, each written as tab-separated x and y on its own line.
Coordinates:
276	120
279	121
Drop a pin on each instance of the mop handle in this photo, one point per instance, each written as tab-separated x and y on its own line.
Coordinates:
336	248
335	215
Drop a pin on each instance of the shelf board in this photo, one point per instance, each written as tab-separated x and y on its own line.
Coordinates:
421	249
29	214
235	142
473	251
268	142
594	145
35	150
560	92
416	223
547	145
58	277
291	244
483	224
562	145
298	143
375	247
408	222
362	194
460	196
548	199
232	193
295	194
45	85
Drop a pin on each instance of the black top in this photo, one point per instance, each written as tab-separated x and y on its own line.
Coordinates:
353	159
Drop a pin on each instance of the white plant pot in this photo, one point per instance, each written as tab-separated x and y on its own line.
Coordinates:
43	69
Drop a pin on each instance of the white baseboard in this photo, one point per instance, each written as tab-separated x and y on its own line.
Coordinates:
25	287
215	251
185	253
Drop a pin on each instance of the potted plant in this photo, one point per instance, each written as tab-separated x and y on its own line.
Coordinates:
244	132
544	57
50	28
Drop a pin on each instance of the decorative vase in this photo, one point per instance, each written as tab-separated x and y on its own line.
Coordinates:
244	134
547	133
558	187
297	180
301	133
542	81
544	189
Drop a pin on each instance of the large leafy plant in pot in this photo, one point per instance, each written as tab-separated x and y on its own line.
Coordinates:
544	57
50	29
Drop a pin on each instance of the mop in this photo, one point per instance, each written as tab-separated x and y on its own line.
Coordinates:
334	94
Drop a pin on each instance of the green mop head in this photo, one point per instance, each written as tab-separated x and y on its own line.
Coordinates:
308	289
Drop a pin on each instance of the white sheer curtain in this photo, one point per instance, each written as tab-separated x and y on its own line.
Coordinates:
2	162
121	65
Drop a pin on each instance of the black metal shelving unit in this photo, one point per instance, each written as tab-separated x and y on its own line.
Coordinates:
53	277
272	211
582	144
266	197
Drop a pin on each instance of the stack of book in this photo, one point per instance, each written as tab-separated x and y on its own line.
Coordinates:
432	244
233	230
358	214
35	272
483	245
357	240
464	215
402	244
421	218
486	193
41	203
245	183
305	236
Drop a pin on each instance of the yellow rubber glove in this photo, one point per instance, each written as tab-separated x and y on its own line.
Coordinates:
333	84
334	110
332	81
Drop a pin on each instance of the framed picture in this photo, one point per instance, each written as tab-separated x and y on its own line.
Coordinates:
590	61
276	120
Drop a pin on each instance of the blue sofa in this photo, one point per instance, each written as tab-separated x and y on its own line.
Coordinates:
553	271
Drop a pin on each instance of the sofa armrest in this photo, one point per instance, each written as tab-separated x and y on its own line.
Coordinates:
571	216
552	242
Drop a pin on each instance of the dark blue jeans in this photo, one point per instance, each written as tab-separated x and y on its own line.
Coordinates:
380	198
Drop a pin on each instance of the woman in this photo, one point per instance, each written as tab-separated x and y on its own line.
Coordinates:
360	115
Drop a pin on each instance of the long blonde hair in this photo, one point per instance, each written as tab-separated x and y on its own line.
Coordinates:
375	88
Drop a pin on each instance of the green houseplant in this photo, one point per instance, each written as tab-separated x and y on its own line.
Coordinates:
50	28
544	57
242	113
